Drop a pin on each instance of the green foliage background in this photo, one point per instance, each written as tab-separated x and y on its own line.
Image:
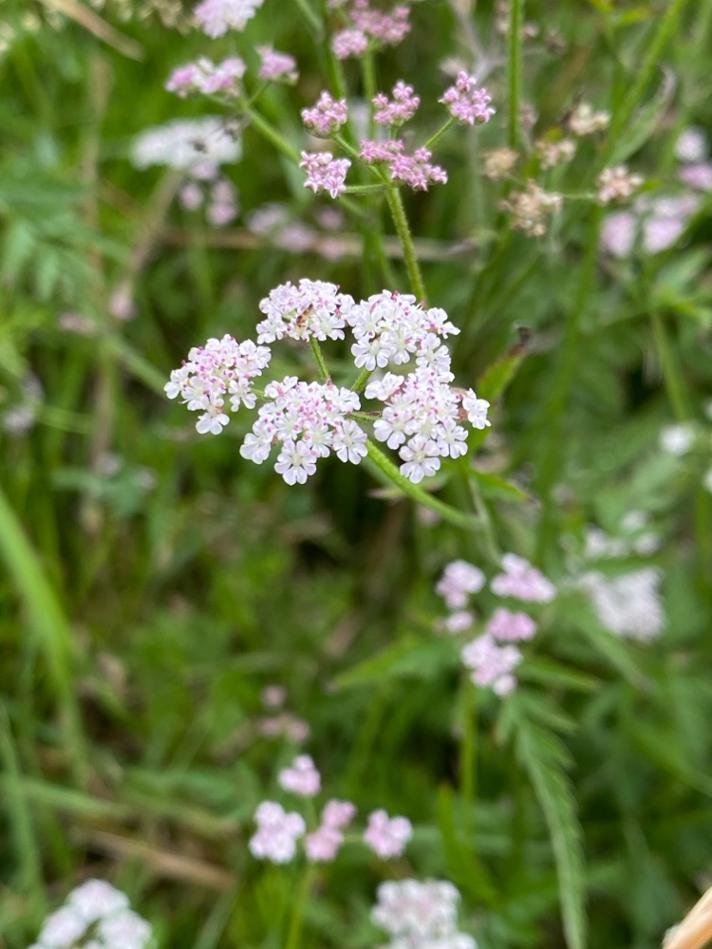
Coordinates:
140	618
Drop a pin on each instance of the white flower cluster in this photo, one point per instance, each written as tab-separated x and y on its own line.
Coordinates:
420	915
628	605
185	144
314	308
309	420
222	369
95	916
421	415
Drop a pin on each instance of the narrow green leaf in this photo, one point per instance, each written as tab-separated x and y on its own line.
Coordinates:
50	625
545	760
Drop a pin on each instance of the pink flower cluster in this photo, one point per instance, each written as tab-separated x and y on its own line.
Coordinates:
491	664
420	915
507	626
277	833
365	24
222	204
387	836
325	173
323	844
399	109
467	102
326	116
459	581
207	77
491	656
276	66
313	308
301	777
521	581
222	370
422	414
278	830
216	17
309	420
416	170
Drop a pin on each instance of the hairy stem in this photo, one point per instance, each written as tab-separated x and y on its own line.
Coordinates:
395	204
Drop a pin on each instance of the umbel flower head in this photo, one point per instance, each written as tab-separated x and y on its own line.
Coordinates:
95	914
279	832
417	411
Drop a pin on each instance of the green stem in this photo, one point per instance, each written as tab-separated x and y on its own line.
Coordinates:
320	361
417	494
272	135
436	136
515	70
311	17
368	74
671	370
361	380
395	204
468	724
297	918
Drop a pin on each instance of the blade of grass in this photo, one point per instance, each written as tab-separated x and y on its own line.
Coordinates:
51	627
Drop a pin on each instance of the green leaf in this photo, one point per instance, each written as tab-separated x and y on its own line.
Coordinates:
495	486
553	673
498	375
423	657
545	759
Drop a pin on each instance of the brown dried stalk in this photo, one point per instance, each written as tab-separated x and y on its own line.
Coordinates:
695	931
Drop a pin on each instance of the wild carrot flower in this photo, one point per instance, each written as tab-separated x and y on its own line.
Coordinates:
691	145
276	66
187	144
420	915
207	77
216	17
373	150
399	109
349	43
617	184
326	116
325	173
324	843
492	665
628	605
499	162
553	153
416	170
220	372
459	581
521	581
386	28
387	836
309	421
458	622
467	102
697	175
506	626
618	233
95	913
585	120
312	308
301	777
531	208
277	833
